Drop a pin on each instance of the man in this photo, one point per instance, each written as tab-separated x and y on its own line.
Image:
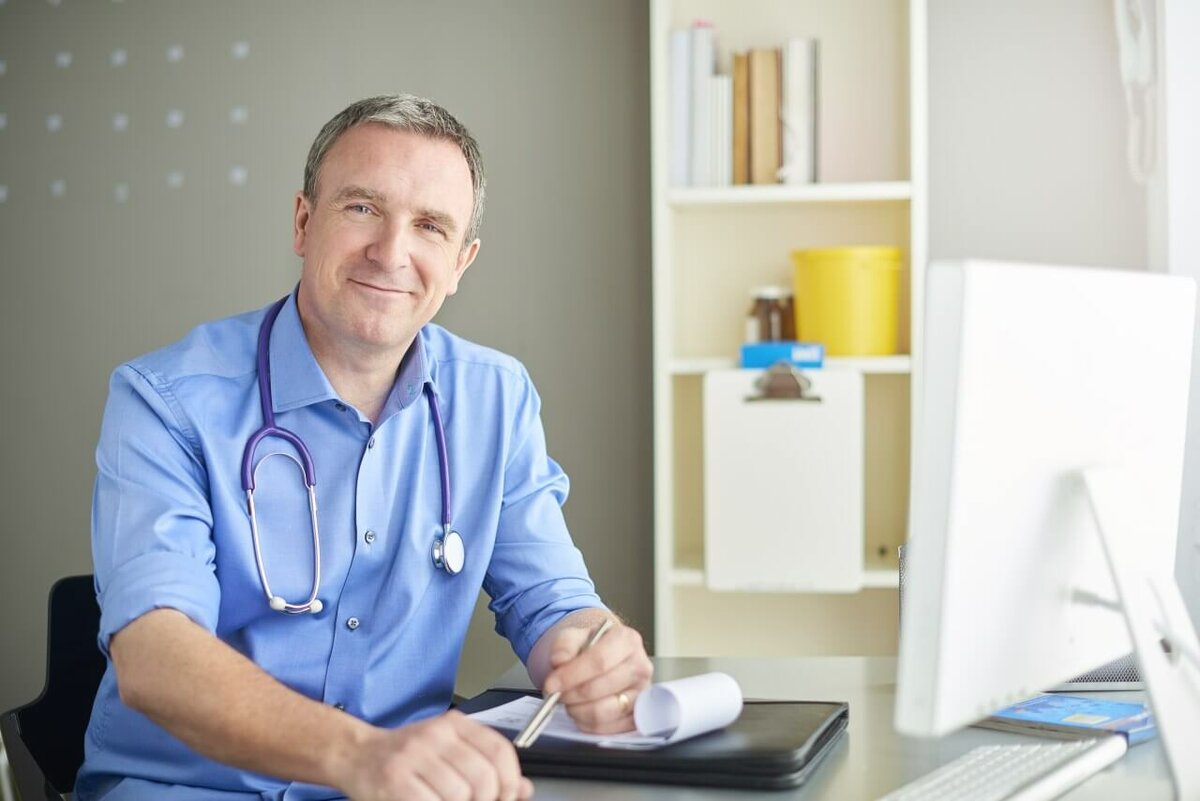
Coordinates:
234	672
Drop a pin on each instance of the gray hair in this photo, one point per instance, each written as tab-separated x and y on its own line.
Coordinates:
406	113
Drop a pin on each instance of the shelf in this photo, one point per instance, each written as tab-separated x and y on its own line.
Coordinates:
779	194
710	244
701	366
687	577
877	578
865	364
872	579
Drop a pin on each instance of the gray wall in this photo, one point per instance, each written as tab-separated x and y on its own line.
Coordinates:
555	90
1027	135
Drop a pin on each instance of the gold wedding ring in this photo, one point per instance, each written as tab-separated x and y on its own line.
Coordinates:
623	703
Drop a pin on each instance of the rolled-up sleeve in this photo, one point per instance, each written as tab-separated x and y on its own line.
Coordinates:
537	575
151	519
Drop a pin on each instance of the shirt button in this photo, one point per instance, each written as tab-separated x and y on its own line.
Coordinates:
352	623
369	537
371	442
341	407
340	707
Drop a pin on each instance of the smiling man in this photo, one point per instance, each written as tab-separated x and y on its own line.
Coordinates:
264	645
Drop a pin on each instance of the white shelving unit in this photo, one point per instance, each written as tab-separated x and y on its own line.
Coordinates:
712	245
878	365
859	192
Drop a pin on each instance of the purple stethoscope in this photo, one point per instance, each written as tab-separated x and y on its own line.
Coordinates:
449	552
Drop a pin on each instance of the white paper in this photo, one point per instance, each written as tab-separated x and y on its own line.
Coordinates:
664	713
515	714
686	707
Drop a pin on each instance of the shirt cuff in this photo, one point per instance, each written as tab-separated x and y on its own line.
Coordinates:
157	580
546	618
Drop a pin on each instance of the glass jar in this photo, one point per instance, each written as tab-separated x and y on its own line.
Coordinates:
770	318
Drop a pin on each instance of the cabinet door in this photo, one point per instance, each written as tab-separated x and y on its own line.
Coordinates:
783	485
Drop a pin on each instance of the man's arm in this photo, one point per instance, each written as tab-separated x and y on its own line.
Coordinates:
224	706
599	685
537	575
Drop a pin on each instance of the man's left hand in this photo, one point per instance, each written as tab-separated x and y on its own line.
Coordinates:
600	685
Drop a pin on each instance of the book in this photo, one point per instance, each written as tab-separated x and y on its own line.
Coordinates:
798	112
1069	716
681	107
764	116
798	354
703	66
741	118
721	158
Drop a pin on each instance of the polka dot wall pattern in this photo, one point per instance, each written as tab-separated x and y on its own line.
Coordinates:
57	114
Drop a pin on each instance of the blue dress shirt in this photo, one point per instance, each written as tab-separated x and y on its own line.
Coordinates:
170	529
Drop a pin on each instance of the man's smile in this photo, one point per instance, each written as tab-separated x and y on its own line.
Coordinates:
377	288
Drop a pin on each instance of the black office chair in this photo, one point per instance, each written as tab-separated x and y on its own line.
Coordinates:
44	739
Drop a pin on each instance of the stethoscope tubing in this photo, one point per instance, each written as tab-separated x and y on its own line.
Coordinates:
305	463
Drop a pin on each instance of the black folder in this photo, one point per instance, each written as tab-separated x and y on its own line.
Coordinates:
773	745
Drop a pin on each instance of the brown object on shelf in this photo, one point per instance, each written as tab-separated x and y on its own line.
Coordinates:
765	139
771	317
741	118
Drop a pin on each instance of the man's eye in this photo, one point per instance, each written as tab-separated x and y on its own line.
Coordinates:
428	226
359	208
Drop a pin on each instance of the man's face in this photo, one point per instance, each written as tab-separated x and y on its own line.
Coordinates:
382	241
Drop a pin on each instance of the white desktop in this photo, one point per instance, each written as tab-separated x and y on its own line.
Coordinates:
1048	456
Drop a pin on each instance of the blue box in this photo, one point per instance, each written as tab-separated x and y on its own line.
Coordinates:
1058	715
798	354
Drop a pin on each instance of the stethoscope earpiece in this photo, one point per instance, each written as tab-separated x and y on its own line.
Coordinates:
280	605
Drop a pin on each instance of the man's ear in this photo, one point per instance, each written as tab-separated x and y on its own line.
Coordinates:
300	220
465	257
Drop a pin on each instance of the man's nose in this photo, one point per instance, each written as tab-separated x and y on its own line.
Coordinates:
390	247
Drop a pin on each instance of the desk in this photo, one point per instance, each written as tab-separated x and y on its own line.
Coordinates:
870	759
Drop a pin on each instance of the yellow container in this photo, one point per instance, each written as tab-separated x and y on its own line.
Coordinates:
847	298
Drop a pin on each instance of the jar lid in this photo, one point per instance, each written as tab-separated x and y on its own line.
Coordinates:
874	253
770	292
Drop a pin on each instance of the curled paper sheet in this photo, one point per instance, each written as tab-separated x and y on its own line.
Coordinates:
664	713
676	710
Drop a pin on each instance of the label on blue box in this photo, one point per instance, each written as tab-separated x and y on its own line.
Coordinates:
797	354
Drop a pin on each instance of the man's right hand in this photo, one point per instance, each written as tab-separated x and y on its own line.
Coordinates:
447	758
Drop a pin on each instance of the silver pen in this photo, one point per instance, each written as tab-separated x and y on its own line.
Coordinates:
533	728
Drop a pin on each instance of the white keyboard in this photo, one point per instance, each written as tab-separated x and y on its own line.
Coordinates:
1020	772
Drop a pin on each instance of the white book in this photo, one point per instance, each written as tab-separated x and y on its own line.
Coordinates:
798	111
722	130
680	122
703	61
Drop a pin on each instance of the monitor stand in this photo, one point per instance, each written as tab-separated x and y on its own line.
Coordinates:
1164	640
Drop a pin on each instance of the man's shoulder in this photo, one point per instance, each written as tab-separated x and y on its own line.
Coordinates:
222	348
450	352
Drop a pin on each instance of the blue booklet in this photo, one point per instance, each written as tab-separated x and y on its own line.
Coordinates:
1056	715
797	354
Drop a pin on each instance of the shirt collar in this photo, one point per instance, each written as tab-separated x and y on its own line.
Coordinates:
411	378
298	380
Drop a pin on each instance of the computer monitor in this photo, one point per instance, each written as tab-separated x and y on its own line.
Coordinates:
1052	412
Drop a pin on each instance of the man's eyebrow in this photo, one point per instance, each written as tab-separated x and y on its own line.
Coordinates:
358	193
440	219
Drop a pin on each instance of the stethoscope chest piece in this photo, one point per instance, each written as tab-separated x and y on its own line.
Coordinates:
449	552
